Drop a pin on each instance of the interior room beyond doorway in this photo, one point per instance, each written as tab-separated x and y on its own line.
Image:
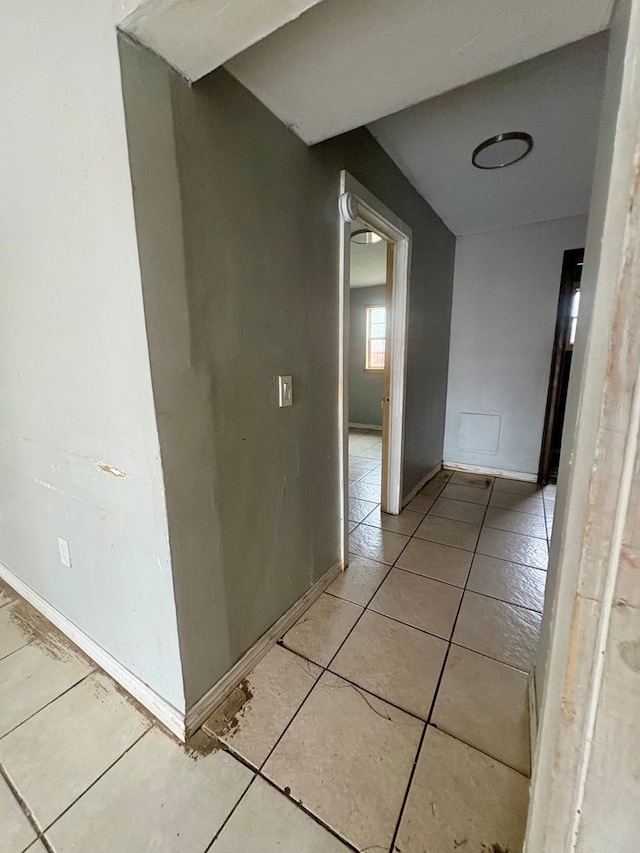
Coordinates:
368	363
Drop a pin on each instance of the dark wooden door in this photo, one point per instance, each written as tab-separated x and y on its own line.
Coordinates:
560	365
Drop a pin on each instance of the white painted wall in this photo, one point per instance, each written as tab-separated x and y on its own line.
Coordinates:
74	367
505	299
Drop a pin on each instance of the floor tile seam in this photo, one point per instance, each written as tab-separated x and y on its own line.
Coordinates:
104	772
481	751
25	808
475	553
408	624
457	500
50	702
519	511
306	811
506	530
504	600
324	669
13	651
424	731
430	578
526	565
218	832
433	704
386	575
488	657
446	544
464	588
426	726
509	562
373	695
20	648
433	514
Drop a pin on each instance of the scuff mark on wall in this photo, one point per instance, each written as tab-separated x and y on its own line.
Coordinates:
109	469
55	489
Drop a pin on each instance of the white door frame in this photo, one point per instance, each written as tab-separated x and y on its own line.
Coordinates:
356	202
584	793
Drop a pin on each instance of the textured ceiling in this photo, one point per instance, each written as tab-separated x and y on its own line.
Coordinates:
345	63
556	98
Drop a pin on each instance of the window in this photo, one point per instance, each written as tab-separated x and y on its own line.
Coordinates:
376	318
575	306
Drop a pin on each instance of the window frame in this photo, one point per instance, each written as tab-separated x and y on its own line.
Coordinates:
368	309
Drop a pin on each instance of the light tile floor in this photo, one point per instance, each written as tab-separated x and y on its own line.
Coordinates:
392	717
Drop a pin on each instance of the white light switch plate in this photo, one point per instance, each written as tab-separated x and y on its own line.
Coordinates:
285	391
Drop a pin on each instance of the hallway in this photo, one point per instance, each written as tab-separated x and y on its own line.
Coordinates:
395	712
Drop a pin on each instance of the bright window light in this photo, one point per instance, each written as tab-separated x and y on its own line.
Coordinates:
376	319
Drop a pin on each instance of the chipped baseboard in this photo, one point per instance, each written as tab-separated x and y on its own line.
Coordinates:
162	710
421	484
199	712
490	472
178	722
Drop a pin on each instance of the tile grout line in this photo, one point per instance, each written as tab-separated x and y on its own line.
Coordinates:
99	777
50	702
392	846
326	668
26	811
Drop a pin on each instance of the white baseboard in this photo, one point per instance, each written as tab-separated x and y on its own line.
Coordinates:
533	715
421	484
366	426
490	472
164	711
198	713
180	724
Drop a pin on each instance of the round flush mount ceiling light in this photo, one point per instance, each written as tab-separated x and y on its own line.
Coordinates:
364	236
502	150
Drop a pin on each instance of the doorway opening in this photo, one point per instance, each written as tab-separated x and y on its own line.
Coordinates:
375	252
566	321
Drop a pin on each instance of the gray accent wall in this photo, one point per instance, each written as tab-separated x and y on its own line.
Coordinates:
505	302
366	388
238	238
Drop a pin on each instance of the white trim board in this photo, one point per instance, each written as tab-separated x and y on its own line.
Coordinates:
164	711
198	713
490	472
421	484
180	724
533	716
357	203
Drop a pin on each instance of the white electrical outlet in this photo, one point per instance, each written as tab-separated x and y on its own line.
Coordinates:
65	554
